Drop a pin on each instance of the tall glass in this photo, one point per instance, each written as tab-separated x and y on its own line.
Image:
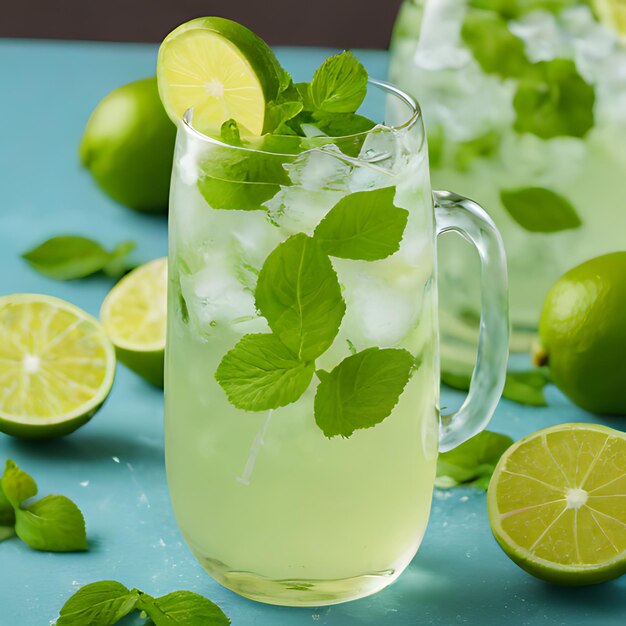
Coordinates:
302	368
525	109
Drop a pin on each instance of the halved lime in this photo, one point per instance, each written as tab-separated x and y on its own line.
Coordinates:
56	366
557	503
134	315
219	68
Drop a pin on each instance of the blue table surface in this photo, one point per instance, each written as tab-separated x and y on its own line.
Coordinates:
113	467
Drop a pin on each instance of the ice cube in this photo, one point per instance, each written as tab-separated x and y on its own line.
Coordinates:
215	296
543	38
439	46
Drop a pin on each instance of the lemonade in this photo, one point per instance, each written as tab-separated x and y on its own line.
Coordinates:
302	358
526	113
256	491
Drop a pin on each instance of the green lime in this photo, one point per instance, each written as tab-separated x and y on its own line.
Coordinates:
583	334
134	315
128	146
220	69
557	503
56	365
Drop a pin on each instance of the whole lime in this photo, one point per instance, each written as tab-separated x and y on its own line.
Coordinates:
128	146
583	334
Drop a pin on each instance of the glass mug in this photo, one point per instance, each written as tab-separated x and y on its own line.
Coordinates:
525	104
302	370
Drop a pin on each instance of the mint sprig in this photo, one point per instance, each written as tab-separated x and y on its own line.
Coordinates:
553	100
473	462
107	602
540	210
52	524
68	257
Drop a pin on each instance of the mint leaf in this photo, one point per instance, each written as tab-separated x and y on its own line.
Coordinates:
260	373
6	532
540	210
118	264
98	604
484	146
278	112
510	9
523	387
229	132
339	85
53	524
304	90
553	100
68	257
362	390
240	179
494	46
17	485
7	514
350	127
526	387
366	225
185	608
473	462
299	294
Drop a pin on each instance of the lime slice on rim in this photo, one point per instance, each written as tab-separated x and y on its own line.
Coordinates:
134	315
220	69
557	503
56	366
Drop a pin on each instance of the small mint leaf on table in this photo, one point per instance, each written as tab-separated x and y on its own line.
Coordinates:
103	603
16	485
366	225
68	257
339	85
117	264
494	46
526	387
553	100
6	532
540	210
260	373
362	390
183	608
53	524
239	179
299	295
473	462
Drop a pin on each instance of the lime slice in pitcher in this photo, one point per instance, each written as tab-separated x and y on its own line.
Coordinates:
134	315
557	503
612	13
56	366
220	69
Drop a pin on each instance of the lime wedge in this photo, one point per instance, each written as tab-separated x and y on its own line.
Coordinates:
220	69
133	314
557	503
56	366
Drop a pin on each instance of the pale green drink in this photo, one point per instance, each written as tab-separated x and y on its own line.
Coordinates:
313	487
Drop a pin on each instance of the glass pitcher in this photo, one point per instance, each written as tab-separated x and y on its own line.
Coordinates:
302	367
525	108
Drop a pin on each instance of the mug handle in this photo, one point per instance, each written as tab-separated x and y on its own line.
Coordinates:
454	213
